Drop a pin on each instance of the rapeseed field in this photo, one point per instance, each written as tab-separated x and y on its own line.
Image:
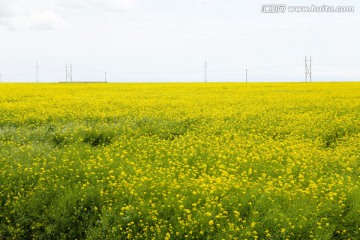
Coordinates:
180	161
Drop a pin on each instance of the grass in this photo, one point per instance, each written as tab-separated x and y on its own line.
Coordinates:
180	161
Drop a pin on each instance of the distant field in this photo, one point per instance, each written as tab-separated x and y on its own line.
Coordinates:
180	161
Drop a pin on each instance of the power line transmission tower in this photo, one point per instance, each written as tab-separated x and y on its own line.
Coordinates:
37	72
69	73
105	77
308	70
246	75
205	71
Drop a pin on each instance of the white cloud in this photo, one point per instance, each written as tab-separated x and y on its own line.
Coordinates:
45	14
5	13
99	4
4	10
21	14
44	20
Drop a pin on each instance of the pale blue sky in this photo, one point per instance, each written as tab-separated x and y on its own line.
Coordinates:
168	40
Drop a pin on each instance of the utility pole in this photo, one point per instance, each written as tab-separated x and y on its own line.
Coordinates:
246	75
105	77
37	72
308	70
205	71
0	77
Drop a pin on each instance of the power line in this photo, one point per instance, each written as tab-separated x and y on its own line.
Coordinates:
222	74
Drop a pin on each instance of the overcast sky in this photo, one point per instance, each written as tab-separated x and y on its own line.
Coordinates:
169	40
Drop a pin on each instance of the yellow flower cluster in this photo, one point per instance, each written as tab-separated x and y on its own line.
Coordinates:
180	161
